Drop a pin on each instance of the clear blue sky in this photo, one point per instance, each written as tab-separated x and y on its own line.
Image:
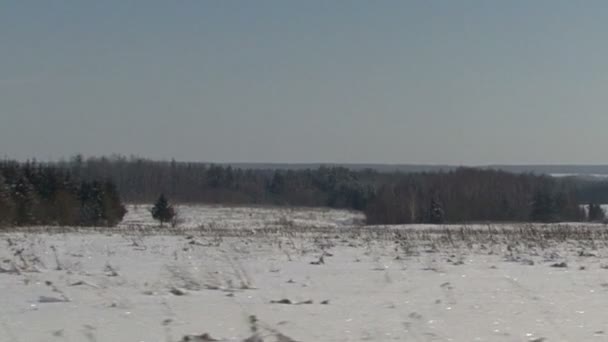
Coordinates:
459	82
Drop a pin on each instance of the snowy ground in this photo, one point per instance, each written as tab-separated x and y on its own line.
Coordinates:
336	283
197	216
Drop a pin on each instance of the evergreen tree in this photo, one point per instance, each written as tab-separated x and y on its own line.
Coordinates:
25	199
112	208
34	193
65	208
162	210
7	207
91	204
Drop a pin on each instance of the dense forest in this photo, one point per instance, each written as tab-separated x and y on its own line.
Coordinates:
457	195
473	195
35	194
89	191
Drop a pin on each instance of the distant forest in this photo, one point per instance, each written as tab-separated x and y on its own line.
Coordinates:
91	191
457	195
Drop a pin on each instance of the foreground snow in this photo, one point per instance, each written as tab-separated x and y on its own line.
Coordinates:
336	284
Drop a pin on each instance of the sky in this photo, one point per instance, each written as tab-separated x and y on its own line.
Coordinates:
346	81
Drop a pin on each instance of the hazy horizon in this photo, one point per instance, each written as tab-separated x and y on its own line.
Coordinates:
387	82
549	168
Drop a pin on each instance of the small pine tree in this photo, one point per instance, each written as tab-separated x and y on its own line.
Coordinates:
162	210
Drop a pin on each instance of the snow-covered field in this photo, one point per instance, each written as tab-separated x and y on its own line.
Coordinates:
202	216
338	283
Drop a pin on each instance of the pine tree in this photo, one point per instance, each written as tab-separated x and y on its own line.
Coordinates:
91	204
35	194
65	208
162	210
7	207
25	199
112	209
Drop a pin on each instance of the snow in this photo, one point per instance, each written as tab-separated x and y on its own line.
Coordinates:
398	284
196	216
580	175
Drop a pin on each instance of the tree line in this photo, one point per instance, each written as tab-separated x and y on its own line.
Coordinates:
457	195
474	195
141	181
43	194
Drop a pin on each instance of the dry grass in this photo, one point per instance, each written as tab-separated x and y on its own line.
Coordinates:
512	242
